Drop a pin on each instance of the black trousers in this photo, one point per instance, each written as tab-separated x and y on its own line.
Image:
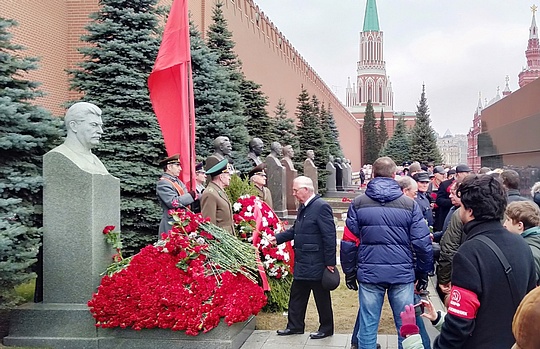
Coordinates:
298	301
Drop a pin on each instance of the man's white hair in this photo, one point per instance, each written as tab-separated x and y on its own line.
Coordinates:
305	182
535	188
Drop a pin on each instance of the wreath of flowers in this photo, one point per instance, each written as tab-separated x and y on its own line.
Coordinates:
255	221
251	214
190	279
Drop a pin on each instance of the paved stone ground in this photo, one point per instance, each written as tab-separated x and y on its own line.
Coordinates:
270	340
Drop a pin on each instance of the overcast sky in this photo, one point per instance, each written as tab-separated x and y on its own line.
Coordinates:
457	48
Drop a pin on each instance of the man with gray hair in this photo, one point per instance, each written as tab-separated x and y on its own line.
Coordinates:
84	129
314	234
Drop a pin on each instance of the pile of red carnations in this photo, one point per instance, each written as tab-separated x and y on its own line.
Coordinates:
194	276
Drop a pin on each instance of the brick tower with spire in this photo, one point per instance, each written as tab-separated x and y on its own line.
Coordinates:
532	71
372	83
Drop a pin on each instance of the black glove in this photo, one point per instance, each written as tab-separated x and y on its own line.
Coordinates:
351	282
193	194
421	281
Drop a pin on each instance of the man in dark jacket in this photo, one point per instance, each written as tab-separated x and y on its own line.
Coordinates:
510	180
483	298
314	234
444	204
391	229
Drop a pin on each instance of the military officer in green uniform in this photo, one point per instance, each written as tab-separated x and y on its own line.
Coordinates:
215	203
257	176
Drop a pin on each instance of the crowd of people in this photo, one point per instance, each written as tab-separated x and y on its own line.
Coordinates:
473	232
485	243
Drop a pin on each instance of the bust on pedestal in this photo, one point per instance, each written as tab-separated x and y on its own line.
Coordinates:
331	179
290	174
80	198
339	174
256	147
310	170
222	149
347	174
276	179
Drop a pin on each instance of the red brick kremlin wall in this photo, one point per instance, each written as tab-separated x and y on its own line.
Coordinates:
51	30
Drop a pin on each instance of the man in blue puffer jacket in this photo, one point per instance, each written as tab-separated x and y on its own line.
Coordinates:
394	250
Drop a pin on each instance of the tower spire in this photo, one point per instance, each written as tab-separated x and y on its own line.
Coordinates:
532	71
533	30
371	18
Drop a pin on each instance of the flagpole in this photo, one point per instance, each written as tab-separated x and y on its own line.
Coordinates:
191	126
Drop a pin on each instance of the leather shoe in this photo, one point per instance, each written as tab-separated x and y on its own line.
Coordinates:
319	335
287	332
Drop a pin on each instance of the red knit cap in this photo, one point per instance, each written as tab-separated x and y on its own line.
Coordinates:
526	324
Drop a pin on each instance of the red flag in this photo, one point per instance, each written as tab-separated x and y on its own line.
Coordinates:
171	91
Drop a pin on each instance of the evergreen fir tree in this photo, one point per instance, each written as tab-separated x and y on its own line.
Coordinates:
123	44
310	134
217	103
369	130
26	133
398	146
383	133
259	123
330	131
423	140
323	150
285	130
220	42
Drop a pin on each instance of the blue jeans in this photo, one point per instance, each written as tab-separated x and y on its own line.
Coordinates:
426	341
354	337
371	297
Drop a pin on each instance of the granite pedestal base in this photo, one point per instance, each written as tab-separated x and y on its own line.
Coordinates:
71	326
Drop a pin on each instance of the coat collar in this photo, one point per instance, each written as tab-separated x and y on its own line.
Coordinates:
475	227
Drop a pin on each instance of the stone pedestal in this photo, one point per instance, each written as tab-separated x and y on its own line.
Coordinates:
72	326
310	170
339	177
347	176
77	205
331	179
290	174
276	181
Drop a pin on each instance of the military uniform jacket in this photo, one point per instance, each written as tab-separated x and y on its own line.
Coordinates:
215	205
169	197
265	195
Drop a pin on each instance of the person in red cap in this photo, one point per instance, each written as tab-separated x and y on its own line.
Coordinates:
171	192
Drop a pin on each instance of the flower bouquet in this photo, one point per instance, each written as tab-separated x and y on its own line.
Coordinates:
255	221
190	279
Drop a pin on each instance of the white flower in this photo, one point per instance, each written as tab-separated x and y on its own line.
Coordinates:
200	240
237	206
192	235
249	208
248	214
270	214
258	203
264	222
